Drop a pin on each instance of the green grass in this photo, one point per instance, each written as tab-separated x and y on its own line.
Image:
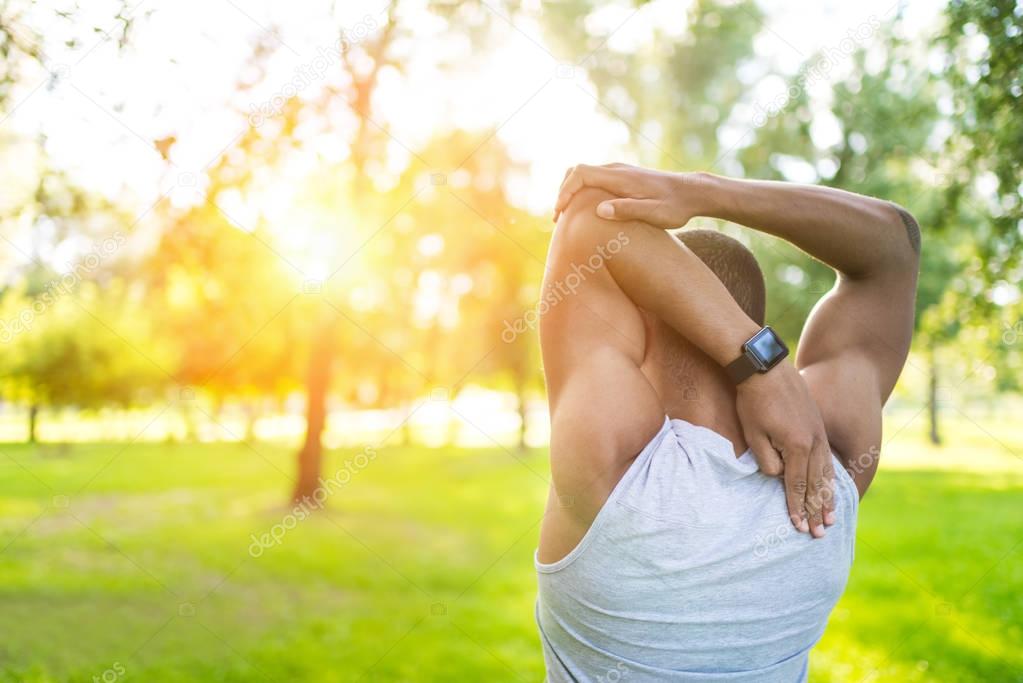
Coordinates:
421	569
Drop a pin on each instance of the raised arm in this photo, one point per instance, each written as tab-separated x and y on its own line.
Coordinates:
857	338
872	244
656	272
603	410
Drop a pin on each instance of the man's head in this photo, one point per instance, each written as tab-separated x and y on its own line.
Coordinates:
734	265
738	270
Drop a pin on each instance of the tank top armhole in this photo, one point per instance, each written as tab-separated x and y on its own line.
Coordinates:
846	479
602	514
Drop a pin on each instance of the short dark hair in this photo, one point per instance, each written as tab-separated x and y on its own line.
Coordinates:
734	264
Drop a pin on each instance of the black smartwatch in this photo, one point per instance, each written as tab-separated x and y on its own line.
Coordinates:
760	353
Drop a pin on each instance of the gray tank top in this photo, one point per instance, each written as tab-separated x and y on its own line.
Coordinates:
691	571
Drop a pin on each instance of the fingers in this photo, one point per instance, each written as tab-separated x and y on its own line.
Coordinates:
568	172
818	495
768	458
647	210
828	490
796	462
606	178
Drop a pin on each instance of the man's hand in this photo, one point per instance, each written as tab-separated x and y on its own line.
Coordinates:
655	197
784	429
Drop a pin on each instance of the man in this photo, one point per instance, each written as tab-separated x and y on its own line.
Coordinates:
701	519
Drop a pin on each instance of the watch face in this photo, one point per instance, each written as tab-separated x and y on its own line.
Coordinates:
767	348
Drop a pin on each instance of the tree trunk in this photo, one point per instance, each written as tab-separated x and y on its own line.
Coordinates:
188	415
932	397
33	414
310	457
453	424
523	409
251	415
406	425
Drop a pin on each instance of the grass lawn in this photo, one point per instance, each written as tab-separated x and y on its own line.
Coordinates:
133	563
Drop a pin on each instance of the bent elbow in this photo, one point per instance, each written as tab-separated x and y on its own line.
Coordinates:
910	254
579	228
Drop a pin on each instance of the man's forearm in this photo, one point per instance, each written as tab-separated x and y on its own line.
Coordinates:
856	235
661	275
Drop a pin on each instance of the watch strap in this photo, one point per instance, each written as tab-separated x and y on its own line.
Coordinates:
741	368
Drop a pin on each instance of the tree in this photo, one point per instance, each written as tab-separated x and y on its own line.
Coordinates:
674	93
985	70
357	204
224	298
63	351
56	350
483	260
984	67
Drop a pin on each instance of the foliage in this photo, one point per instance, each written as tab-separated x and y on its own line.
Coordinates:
676	91
985	70
217	288
87	349
404	261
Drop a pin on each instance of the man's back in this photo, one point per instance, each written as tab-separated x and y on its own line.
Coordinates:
688	566
614	367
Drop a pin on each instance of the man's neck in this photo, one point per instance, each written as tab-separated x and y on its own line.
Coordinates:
707	401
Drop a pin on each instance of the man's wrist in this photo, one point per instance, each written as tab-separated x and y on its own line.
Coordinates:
703	193
760	353
730	346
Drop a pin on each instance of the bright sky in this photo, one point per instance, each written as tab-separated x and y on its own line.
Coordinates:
185	59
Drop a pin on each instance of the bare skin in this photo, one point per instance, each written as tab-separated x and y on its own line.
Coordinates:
606	384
